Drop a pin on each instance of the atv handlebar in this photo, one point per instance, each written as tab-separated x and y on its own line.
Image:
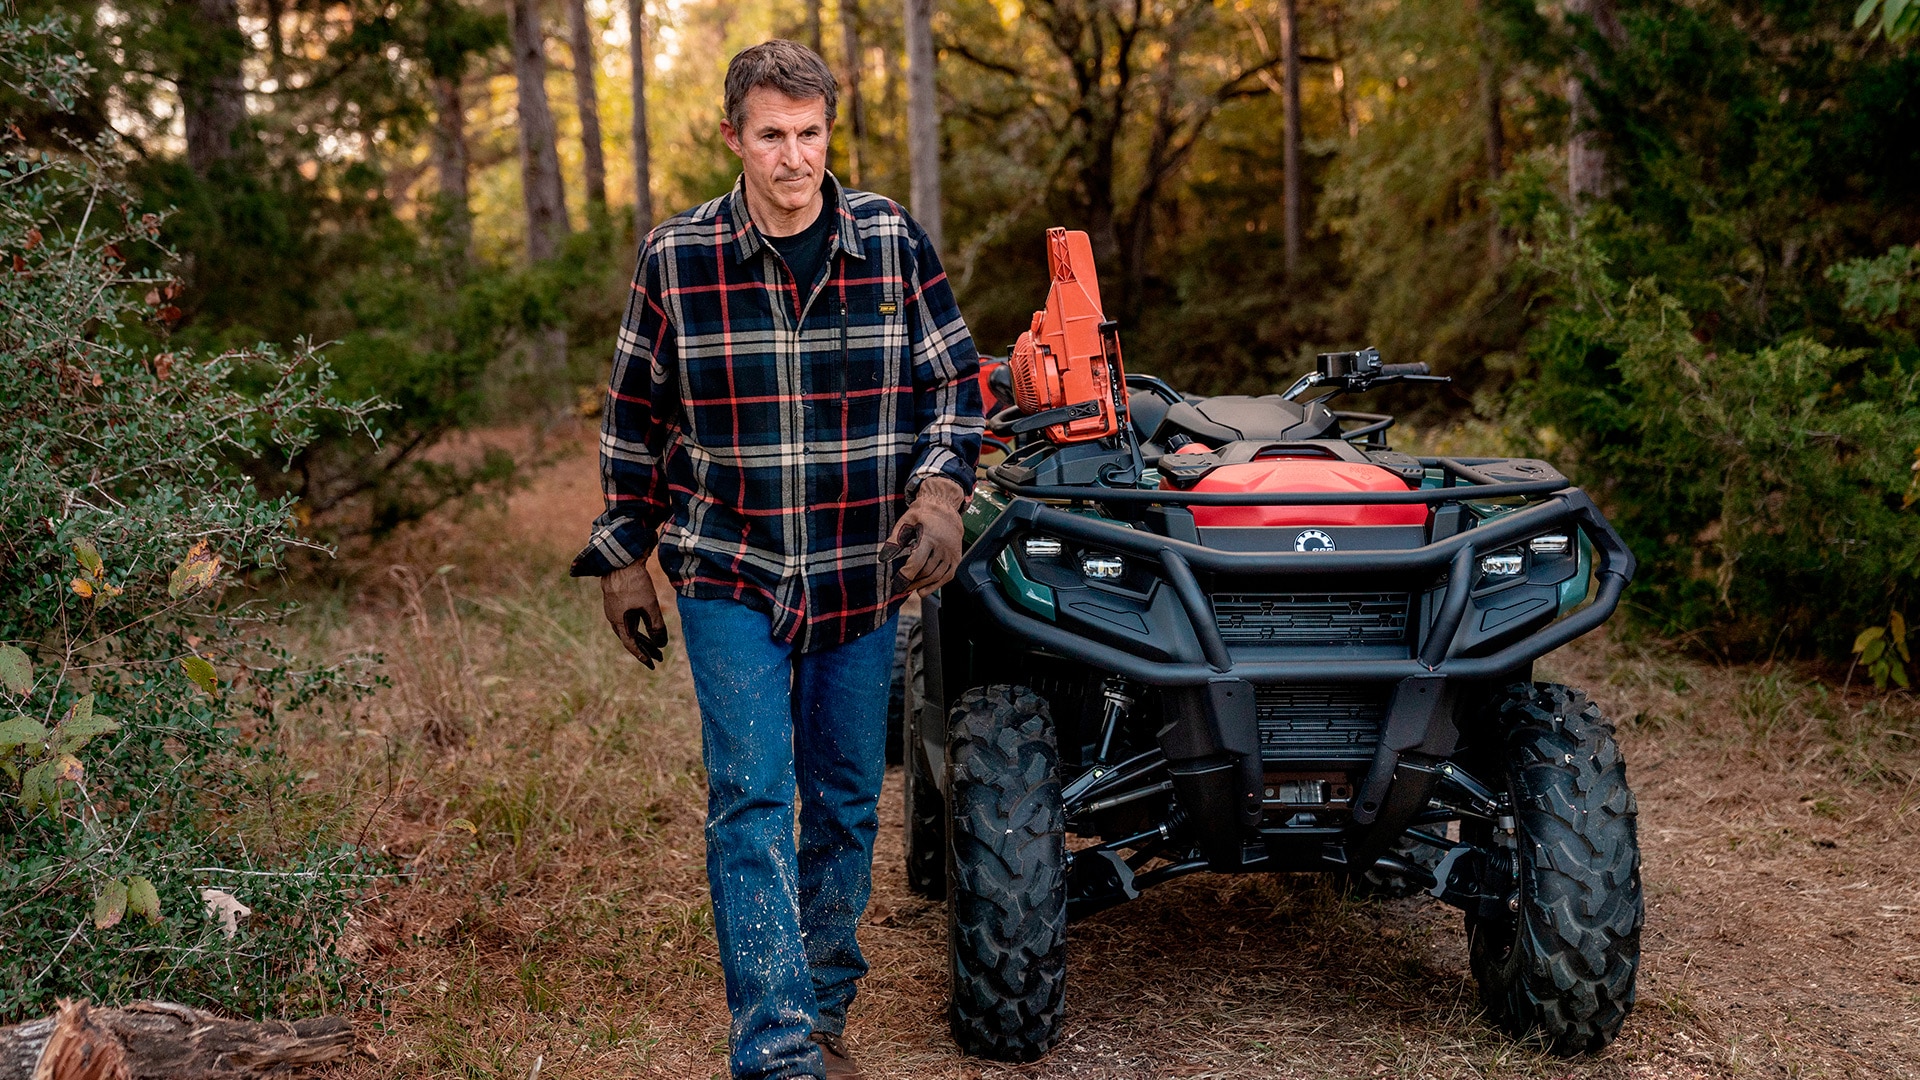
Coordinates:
1356	373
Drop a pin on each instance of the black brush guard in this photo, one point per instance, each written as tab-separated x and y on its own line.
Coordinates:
1418	732
1554	504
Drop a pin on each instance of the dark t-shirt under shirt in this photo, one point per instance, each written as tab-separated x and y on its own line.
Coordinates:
806	250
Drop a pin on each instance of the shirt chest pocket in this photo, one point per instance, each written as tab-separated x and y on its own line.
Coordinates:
874	338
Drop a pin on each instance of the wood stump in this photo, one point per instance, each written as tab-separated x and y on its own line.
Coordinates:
160	1039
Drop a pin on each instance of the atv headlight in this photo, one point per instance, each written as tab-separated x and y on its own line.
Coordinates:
1502	564
1551	546
1102	567
1043	547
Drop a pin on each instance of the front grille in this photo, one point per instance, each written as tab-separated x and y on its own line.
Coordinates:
1335	722
1313	618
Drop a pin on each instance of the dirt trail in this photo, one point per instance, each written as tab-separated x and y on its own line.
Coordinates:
1782	883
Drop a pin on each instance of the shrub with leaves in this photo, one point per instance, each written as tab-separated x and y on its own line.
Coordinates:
139	686
1883	652
1763	491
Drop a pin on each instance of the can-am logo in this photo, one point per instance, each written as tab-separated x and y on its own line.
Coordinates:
1312	540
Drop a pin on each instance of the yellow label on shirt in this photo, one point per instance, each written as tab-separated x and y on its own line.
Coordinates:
889	307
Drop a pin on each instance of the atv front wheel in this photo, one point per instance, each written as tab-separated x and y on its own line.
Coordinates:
1006	875
926	810
1561	965
897	691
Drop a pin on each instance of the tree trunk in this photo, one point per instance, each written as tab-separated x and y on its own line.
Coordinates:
642	163
546	200
1290	49
155	1039
1348	121
923	119
1586	158
815	40
211	92
451	159
588	102
1495	125
856	115
276	11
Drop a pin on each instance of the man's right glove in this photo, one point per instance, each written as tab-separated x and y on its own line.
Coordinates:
634	610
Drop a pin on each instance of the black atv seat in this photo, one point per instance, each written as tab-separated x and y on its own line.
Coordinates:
1233	417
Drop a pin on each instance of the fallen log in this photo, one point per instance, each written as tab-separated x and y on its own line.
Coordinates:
161	1039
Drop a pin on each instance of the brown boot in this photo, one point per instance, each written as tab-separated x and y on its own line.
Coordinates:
833	1052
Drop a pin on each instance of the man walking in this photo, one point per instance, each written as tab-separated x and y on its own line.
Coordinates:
794	398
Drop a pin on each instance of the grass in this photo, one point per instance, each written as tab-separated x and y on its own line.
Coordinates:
566	922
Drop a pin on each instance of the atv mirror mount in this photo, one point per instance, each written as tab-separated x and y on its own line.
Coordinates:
1361	367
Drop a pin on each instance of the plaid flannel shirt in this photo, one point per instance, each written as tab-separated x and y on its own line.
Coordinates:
778	432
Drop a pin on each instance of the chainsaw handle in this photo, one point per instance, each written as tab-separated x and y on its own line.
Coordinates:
1001	423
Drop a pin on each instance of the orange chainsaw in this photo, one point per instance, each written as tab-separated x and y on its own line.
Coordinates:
1066	370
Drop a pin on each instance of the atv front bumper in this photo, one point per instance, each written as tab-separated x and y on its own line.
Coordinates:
1192	651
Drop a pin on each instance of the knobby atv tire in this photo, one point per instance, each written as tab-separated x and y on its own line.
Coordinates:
1383	884
1562	968
926	809
897	691
1006	875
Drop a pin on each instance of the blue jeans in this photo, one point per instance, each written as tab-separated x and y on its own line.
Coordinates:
773	721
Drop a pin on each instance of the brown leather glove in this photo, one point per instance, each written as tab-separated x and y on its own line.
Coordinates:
927	537
634	610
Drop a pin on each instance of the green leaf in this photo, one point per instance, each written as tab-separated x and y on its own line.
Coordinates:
143	900
1890	17
1867	637
16	671
1897	623
41	785
21	731
89	557
1874	651
1864	12
80	725
201	673
1899	672
195	572
110	906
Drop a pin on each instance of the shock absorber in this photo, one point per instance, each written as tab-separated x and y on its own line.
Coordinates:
1118	702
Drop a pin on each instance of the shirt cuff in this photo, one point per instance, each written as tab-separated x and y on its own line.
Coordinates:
940	461
616	542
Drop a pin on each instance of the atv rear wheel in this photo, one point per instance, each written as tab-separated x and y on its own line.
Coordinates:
1561	966
1006	875
926	809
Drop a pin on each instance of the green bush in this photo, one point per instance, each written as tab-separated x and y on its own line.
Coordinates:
139	687
1764	491
451	345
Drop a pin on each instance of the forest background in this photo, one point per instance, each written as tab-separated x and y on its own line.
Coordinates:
445	191
1668	244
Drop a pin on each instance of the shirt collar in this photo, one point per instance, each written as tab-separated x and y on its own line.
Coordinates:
747	240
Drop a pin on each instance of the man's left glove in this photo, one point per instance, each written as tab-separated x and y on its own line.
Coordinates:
928	536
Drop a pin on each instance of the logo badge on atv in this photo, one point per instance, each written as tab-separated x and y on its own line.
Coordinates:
1312	540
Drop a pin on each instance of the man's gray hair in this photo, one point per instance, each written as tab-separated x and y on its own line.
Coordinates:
786	66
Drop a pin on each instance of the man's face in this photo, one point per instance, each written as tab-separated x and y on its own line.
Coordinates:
782	147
